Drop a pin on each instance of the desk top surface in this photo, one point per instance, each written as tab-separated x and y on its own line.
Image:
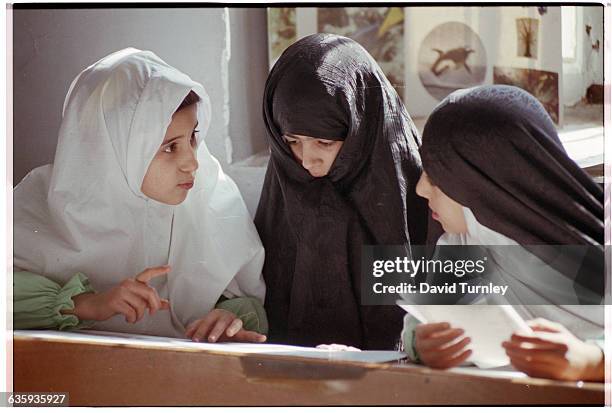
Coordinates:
123	358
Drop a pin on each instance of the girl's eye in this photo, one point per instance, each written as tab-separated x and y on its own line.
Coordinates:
170	148
324	143
291	142
194	140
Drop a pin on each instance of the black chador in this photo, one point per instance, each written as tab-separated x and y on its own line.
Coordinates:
313	229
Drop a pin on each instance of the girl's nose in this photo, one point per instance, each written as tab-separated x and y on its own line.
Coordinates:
423	187
189	163
309	159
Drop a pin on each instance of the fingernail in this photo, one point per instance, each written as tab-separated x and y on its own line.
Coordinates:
212	339
196	339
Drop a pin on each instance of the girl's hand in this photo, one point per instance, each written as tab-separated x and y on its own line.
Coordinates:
221	325
437	347
555	353
131	298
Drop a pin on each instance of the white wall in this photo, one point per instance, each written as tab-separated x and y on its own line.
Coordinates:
52	46
248	70
587	68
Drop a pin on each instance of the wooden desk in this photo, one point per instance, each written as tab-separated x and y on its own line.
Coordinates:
127	375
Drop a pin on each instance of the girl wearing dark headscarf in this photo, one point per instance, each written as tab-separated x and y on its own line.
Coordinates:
496	173
342	173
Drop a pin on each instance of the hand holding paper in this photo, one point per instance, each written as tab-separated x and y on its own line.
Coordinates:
475	331
437	345
553	352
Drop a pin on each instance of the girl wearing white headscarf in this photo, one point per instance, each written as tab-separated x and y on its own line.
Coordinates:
496	174
135	213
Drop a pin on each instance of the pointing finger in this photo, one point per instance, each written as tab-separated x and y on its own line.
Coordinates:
151	273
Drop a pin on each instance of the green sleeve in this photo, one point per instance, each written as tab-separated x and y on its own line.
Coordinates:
249	310
38	302
408	338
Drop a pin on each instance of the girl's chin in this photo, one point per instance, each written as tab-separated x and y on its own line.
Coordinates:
317	174
452	230
447	229
173	201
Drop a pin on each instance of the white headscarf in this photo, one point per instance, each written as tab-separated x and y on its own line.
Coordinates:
86	212
515	267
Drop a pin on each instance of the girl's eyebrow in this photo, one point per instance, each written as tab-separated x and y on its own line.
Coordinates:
179	136
292	136
172	139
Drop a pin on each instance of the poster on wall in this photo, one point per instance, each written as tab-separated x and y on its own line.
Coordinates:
380	30
451	57
541	84
282	31
527	37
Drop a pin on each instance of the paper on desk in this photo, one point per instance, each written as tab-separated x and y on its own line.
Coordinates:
107	337
487	326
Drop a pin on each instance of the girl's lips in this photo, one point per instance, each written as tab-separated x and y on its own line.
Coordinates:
434	215
188	185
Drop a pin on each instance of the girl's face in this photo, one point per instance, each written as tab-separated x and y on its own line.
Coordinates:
171	172
444	209
316	155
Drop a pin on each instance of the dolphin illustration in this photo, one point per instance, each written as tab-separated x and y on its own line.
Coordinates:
458	56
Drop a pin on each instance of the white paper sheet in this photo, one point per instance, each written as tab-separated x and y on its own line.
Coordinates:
106	337
487	326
